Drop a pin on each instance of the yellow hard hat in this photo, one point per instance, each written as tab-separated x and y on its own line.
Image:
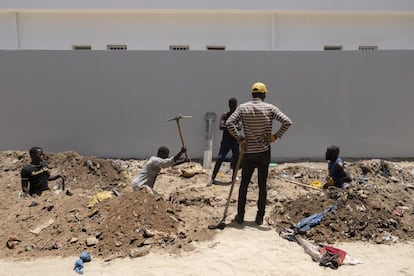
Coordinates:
259	87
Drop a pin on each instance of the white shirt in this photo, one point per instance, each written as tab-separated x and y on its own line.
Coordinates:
150	171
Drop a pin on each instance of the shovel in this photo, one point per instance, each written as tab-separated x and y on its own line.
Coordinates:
298	183
221	224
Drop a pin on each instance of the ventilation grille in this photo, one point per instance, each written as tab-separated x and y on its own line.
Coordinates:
179	47
116	47
368	48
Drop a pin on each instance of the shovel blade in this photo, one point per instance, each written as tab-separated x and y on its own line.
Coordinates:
219	225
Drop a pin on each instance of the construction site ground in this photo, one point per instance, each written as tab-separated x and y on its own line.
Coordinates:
99	212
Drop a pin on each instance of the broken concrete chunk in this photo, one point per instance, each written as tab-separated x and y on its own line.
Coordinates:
40	228
91	241
139	252
73	240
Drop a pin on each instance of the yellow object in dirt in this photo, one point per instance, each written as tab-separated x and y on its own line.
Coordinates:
330	181
220	175
99	197
316	184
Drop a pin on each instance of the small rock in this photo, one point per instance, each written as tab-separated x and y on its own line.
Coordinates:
139	252
394	179
73	240
93	213
149	233
91	241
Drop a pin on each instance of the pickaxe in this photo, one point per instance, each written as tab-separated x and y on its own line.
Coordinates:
177	119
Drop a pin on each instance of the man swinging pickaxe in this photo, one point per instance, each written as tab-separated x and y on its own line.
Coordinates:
177	119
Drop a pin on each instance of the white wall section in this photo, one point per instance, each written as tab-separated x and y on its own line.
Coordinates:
276	5
236	31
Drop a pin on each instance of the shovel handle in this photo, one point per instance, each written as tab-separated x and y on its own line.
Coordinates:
233	181
298	183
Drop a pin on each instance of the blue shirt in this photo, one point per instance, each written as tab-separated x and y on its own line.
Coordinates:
335	174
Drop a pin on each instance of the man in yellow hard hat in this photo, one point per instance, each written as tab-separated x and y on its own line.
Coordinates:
257	118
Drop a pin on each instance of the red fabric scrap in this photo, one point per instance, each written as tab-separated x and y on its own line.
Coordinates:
333	250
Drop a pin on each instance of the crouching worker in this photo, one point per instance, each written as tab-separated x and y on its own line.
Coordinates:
337	173
35	176
147	176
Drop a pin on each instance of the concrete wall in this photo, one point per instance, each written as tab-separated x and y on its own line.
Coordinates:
306	5
235	30
312	32
115	104
8	31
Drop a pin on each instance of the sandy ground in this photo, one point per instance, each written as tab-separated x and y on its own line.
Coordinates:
250	250
236	250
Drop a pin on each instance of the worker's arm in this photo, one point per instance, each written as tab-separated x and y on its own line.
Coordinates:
284	120
25	176
232	124
25	187
54	177
345	177
223	122
177	157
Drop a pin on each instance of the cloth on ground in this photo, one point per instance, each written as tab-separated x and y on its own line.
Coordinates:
330	260
78	266
308	222
333	250
85	256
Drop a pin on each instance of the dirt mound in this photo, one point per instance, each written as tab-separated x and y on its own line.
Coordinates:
377	207
104	216
101	214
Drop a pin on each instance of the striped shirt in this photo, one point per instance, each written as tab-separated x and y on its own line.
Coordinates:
257	119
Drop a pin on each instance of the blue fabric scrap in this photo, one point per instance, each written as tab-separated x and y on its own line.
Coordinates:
78	266
308	222
85	256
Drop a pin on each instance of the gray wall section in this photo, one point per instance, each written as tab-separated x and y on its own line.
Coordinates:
115	104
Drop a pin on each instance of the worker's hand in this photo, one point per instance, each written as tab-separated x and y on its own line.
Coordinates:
329	182
183	150
187	160
271	138
243	143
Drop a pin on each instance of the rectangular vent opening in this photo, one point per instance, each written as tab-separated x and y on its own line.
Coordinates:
368	47
116	47
179	47
332	47
216	47
81	47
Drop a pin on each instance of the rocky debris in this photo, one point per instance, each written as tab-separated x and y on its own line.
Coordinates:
191	170
102	214
375	207
378	207
12	242
139	252
40	228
